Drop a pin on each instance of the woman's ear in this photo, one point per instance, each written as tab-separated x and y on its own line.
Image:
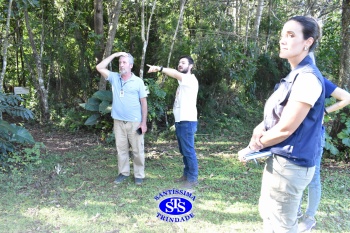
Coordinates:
309	42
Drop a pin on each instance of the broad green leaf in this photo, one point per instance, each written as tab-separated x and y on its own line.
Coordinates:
92	104
22	135
5	147
91	107
103	95
6	126
342	135
333	150
94	101
105	107
346	141
92	120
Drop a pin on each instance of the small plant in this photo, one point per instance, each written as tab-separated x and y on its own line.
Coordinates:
344	135
341	143
70	119
12	137
25	158
99	104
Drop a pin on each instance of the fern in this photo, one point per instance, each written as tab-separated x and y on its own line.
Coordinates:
13	137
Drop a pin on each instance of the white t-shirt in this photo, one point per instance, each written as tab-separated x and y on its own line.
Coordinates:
301	90
185	105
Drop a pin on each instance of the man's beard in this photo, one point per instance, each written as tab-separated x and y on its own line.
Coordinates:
184	71
123	71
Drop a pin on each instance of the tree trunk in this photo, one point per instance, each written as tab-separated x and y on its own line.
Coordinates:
99	49
39	82
4	50
178	26
20	74
269	26
238	21
145	38
113	16
247	31
344	71
98	26
259	11
345	52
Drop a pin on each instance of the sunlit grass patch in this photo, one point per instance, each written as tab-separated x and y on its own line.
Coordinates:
82	197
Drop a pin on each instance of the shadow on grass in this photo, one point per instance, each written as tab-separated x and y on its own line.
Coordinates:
82	197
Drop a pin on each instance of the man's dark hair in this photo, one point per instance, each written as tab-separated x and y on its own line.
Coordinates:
189	59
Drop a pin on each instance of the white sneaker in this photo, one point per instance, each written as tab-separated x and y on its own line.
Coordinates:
307	224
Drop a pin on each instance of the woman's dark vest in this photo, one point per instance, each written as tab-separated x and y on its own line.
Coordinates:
299	148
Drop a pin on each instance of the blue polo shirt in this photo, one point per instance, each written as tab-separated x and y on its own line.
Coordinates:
126	105
329	87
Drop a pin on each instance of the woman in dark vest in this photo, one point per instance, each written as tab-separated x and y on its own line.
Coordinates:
291	128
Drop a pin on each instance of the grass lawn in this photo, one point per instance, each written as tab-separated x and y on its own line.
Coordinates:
74	192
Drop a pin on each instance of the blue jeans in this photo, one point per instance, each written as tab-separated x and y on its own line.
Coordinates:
185	131
314	193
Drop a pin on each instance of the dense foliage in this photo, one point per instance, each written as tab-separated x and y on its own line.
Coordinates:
55	49
16	143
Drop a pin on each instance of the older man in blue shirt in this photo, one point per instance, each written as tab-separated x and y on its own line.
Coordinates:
129	111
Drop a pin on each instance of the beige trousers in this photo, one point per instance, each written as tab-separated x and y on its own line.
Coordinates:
126	137
282	186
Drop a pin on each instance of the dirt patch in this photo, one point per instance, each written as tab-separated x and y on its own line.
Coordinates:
60	141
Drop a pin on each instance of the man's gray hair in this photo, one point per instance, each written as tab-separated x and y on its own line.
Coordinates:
131	58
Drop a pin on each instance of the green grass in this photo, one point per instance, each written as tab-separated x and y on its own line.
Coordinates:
83	197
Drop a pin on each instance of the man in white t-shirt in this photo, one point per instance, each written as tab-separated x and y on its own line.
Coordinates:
185	113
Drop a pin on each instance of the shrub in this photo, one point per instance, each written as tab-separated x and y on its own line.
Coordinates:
13	138
339	146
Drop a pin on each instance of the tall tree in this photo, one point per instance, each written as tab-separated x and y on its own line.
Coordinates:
113	17
345	52
178	27
344	62
258	15
269	20
248	19
98	27
4	47
38	74
145	38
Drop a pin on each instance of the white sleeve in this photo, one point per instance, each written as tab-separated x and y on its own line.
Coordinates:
307	88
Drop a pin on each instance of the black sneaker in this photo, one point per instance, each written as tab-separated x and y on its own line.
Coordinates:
120	179
138	181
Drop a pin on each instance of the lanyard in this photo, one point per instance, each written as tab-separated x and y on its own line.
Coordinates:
122	84
121	94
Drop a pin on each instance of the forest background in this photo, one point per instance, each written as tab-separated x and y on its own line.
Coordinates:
50	48
63	180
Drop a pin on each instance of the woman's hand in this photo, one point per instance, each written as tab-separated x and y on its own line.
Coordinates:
255	143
